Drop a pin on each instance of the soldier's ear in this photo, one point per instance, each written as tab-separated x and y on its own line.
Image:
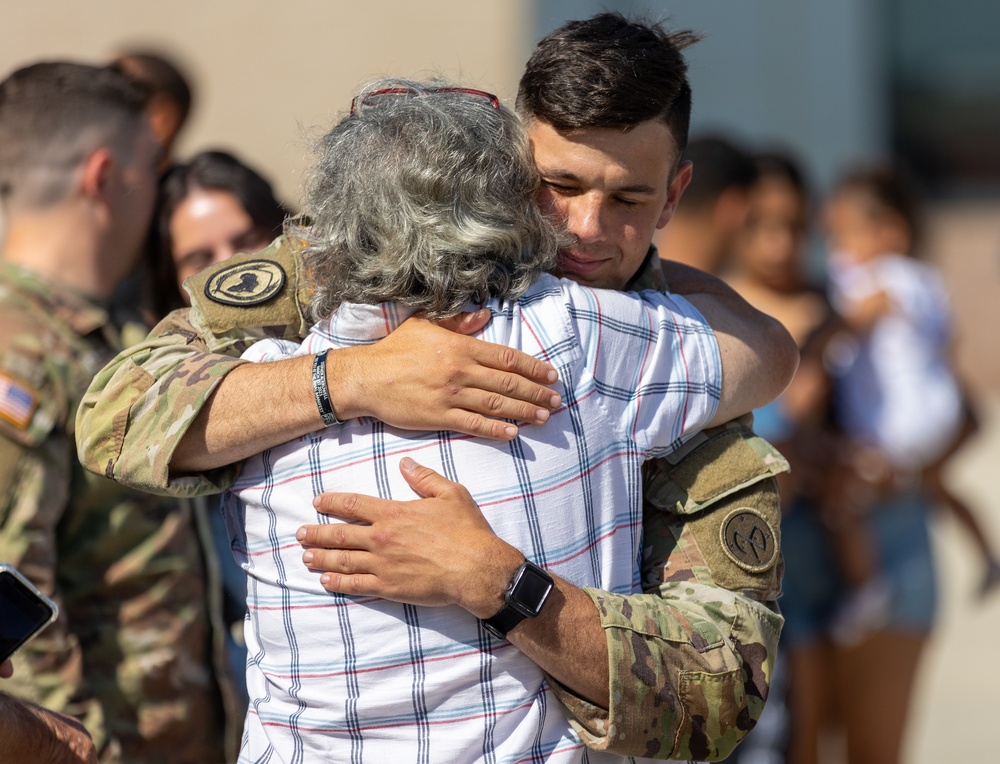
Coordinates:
675	190
96	173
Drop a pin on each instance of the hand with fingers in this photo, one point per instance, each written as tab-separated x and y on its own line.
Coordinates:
431	376
433	551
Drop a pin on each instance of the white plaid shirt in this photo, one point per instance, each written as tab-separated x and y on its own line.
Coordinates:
337	678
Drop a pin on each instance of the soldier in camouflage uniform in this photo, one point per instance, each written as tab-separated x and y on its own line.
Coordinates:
690	658
128	655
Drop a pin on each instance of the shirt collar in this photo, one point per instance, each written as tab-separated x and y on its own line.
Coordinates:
355	323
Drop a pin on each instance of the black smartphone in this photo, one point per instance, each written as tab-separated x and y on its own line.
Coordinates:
24	611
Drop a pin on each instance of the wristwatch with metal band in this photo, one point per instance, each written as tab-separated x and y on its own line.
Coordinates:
526	594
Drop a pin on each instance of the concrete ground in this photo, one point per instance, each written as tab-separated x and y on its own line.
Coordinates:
954	718
955	713
956	710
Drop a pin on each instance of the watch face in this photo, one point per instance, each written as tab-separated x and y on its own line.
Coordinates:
529	590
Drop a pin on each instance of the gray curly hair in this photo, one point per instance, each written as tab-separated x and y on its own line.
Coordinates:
424	196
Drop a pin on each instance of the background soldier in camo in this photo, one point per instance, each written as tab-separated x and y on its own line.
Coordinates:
128	655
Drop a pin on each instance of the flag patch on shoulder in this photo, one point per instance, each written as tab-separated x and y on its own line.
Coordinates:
17	401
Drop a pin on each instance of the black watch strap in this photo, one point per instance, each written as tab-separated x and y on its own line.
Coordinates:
526	593
504	621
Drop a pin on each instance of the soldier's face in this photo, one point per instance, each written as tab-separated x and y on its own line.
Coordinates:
611	190
210	226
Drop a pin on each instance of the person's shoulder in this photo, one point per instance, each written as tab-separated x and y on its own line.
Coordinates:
583	295
581	305
251	296
36	375
46	355
545	287
630	311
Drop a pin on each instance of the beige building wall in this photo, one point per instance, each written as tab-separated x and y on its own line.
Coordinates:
271	73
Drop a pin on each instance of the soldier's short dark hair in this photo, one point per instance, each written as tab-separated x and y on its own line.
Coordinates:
55	114
609	72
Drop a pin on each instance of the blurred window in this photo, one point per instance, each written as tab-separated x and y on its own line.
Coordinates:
945	63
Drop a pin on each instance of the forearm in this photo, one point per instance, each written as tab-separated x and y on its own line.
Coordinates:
420	377
685	280
565	639
261	405
759	356
140	406
568	643
612	660
30	733
440	550
253	408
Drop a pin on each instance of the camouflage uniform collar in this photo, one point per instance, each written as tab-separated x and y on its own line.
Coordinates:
649	275
81	313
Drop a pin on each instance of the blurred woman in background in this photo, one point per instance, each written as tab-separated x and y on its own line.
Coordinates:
768	270
209	208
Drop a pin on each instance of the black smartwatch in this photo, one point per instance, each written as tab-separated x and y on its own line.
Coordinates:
526	594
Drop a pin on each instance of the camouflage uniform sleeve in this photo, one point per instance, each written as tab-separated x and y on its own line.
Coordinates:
49	669
139	406
35	469
691	659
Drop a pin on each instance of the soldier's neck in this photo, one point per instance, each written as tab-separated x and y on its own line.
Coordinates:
59	246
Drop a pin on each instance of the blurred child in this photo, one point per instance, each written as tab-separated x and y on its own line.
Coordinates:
900	400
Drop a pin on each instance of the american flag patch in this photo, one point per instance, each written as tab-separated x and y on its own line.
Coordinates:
17	401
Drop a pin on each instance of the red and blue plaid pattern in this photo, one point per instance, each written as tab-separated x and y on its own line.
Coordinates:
368	680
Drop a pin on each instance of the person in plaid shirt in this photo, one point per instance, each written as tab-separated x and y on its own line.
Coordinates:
451	223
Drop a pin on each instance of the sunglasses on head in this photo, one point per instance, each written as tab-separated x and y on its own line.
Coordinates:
365	98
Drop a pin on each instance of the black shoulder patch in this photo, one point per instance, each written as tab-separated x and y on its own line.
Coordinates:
245	284
749	540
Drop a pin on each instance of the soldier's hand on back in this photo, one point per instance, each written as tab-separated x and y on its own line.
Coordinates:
426	376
